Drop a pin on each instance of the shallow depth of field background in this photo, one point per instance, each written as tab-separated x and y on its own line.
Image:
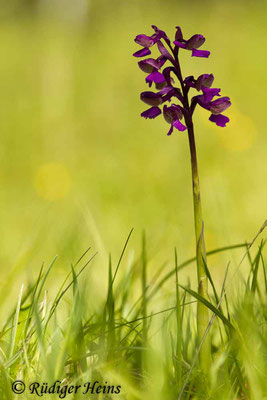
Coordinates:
79	167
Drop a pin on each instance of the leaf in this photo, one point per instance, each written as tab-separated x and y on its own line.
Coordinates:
209	305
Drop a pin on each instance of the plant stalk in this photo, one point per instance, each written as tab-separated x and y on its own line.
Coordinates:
202	311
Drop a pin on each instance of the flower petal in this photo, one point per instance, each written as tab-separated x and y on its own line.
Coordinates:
161	61
151	113
142	53
144	40
205	80
151	98
178	125
166	90
195	42
160	85
163	50
189	81
178	34
219	105
180	44
219	119
209	93
148	65
200	53
160	34
171	130
172	113
167	73
156	77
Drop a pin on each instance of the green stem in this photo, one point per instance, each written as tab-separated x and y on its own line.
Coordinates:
202	311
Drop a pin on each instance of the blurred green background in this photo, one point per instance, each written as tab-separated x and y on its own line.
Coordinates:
79	167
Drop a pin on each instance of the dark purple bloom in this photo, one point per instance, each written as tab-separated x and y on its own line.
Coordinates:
151	113
200	53
219	119
149	41
156	77
142	53
172	115
165	83
178	34
220	105
143	40
150	98
148	65
205	80
195	42
216	107
159	34
208	94
168	92
190	82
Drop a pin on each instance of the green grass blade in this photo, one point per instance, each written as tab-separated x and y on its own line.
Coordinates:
45	278
254	283
218	313
15	324
190	261
210	279
122	254
144	288
111	314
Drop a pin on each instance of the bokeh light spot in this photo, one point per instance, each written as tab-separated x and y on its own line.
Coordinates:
52	181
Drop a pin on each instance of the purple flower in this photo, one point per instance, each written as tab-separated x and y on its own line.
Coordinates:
151	113
200	53
216	107
142	53
205	80
220	105
172	115
193	44
219	119
143	40
165	83
149	65
156	77
149	41
208	94
159	34
150	98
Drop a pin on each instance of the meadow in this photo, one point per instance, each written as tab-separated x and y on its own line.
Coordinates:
79	168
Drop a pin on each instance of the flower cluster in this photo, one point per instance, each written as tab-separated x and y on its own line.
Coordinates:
164	82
